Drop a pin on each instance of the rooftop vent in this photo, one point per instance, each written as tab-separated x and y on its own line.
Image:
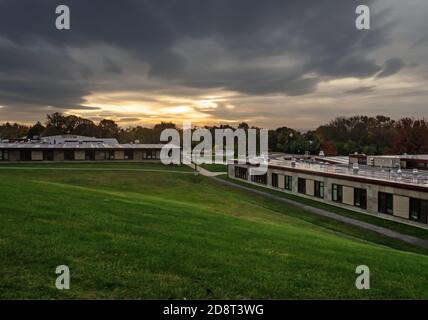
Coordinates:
355	168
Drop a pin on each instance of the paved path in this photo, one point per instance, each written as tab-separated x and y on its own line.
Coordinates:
207	173
361	224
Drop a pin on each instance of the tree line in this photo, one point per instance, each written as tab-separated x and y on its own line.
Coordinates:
341	136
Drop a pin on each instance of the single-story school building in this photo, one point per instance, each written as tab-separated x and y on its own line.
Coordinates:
392	195
77	148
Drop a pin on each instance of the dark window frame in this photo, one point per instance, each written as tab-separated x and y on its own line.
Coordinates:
25	155
274	180
319	189
4	155
90	155
259	178
418	210
385	203
301	185
129	154
337	193
109	155
48	155
241	173
288	183
69	155
360	198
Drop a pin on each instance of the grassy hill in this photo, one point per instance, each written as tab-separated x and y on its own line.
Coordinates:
165	233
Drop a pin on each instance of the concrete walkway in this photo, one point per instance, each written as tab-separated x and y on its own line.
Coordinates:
321	212
207	173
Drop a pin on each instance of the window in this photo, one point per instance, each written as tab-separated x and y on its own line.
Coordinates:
288	183
150	154
241	173
274	180
129	154
301	185
362	160
69	155
4	155
385	203
109	155
337	193
259	178
319	189
360	198
90	155
48	155
25	155
418	210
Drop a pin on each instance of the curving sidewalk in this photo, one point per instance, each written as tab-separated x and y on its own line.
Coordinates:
321	212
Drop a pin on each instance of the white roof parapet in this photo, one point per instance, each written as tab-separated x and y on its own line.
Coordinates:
82	145
69	141
61	139
365	172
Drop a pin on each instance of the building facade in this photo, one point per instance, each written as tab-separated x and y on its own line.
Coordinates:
77	148
403	199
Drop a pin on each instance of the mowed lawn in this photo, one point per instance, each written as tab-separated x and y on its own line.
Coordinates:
170	234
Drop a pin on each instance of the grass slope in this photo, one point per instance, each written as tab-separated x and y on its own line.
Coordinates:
128	234
396	226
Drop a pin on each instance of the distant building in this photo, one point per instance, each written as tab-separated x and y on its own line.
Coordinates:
77	148
394	194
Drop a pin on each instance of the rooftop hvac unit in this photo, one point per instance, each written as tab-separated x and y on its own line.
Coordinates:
355	168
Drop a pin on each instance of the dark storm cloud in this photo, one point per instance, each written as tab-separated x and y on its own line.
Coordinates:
392	66
318	38
111	66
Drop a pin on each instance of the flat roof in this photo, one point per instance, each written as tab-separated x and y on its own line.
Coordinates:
394	156
80	145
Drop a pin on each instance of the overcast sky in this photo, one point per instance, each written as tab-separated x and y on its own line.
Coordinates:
269	63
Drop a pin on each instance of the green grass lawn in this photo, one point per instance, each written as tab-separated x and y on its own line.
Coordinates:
399	227
170	234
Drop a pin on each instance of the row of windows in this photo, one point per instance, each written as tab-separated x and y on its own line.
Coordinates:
318	187
418	208
360	195
241	173
48	155
262	179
